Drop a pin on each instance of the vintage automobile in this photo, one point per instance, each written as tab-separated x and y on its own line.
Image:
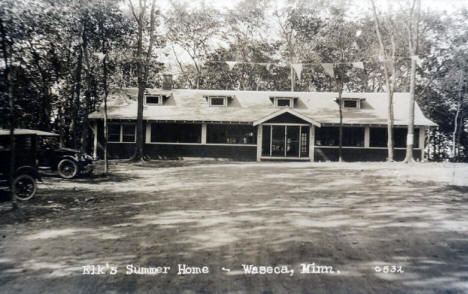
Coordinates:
68	163
23	185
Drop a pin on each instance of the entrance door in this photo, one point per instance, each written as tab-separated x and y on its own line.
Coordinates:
277	141
285	141
292	141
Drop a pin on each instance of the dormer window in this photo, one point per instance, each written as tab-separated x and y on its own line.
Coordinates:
154	100
351	103
220	101
283	102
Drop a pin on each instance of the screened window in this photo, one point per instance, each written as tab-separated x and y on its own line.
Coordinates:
353	137
350	104
304	141
378	137
283	103
128	133
330	136
266	140
231	134
176	133
153	100
119	133
327	136
217	101
113	131
399	137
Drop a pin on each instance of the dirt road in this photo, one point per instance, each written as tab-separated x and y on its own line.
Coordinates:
351	217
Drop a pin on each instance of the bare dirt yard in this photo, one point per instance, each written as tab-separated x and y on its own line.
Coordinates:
354	217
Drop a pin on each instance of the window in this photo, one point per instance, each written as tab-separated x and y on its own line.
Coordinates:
378	137
122	133
155	99
304	141
231	134
152	99
283	102
327	136
113	132
217	100
176	133
353	137
350	104
399	137
266	140
128	133
330	136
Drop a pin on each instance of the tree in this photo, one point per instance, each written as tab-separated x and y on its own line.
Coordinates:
146	24
298	25
192	31
413	41
390	79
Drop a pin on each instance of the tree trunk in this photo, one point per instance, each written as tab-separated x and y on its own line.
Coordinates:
12	139
413	39
76	102
340	149
86	126
293	79
106	93
390	86
410	134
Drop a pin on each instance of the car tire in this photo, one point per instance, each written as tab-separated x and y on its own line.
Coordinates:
24	187
67	168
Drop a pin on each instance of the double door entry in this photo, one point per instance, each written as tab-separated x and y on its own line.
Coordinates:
285	141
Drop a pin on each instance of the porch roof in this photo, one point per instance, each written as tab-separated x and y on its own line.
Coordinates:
253	106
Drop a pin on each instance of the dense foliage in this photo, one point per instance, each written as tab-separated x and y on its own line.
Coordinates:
53	55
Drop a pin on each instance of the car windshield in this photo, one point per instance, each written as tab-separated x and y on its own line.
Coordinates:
49	142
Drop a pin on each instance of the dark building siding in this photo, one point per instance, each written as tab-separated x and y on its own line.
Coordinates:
236	152
170	151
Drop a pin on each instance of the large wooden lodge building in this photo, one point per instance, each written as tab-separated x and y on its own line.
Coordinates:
257	125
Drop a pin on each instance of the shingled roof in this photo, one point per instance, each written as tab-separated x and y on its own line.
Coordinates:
252	106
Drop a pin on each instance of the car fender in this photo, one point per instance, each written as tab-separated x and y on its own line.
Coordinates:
71	157
30	170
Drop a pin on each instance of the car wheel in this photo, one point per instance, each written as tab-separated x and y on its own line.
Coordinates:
24	187
67	168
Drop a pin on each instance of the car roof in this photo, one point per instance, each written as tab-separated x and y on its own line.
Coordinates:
5	132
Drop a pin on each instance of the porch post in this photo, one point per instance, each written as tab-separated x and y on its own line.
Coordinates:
366	137
311	142
95	133
422	140
203	133
148	132
259	141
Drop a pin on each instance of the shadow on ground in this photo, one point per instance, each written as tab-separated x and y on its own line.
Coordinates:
226	215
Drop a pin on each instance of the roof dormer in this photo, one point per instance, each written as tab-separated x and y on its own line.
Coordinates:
218	101
155	99
350	103
281	102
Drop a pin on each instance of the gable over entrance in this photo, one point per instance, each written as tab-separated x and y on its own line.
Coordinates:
286	116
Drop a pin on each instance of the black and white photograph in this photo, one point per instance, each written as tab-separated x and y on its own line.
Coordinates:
233	147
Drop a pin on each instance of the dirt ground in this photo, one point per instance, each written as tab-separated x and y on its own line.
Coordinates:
354	217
